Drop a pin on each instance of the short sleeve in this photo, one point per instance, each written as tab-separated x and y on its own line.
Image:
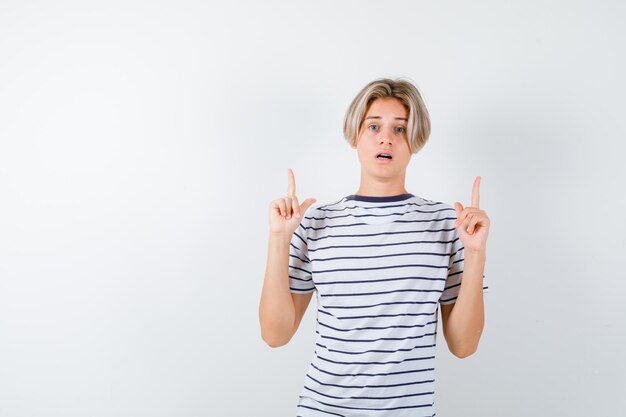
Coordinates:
300	274
455	271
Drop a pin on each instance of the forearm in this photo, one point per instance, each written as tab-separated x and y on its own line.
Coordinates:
276	309
467	318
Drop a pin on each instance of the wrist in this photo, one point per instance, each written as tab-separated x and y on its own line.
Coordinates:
474	253
279	239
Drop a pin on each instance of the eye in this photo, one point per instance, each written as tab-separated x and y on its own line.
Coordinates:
400	129
371	126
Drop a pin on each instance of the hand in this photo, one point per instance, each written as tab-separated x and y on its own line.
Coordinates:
285	213
472	223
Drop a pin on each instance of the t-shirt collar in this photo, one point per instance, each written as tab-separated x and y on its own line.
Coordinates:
379	199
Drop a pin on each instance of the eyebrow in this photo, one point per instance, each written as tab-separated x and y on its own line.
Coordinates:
378	117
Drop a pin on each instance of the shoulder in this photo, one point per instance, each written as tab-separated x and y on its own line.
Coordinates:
319	214
440	210
322	211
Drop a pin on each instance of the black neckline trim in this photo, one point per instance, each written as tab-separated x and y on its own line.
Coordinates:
378	199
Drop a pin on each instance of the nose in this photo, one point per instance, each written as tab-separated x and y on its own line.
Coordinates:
386	136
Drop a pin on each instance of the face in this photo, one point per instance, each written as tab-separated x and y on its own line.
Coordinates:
384	130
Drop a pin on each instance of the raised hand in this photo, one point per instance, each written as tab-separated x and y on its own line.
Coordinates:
472	223
286	213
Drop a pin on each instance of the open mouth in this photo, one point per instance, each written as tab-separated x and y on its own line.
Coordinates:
383	156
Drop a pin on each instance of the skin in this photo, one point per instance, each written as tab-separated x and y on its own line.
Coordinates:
463	321
383	129
280	311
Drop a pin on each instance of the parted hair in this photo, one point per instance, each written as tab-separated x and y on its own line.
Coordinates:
418	124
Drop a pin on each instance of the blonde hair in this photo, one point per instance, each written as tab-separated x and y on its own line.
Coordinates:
418	125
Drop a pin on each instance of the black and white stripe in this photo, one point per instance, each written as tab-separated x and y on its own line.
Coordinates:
380	267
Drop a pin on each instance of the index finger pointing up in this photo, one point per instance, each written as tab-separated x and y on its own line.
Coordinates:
291	188
475	196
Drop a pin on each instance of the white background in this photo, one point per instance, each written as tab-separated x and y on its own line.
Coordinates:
142	142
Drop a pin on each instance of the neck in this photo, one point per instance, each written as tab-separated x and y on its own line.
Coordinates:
381	189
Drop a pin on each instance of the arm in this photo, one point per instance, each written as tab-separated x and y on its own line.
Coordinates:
280	311
463	320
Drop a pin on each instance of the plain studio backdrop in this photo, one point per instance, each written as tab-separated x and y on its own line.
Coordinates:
141	144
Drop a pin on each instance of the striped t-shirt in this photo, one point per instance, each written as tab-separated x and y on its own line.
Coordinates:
380	266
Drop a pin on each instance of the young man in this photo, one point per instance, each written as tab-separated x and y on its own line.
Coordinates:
381	262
